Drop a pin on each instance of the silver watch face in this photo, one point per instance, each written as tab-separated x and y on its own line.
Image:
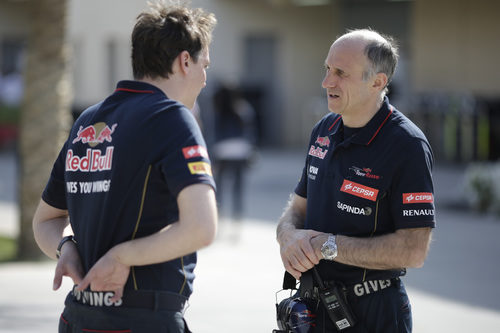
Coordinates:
329	249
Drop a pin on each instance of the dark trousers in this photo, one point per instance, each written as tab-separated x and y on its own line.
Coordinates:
225	169
386	311
83	318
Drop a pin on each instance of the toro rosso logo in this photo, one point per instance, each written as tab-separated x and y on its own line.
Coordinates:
89	134
359	190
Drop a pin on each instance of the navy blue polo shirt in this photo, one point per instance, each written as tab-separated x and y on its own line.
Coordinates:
119	173
367	182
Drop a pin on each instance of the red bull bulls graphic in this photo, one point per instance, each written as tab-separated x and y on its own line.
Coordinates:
323	141
89	134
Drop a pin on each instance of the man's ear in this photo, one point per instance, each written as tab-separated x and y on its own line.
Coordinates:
380	81
183	59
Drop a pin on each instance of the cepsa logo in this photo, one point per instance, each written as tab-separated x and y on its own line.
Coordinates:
194	151
94	160
420	197
359	190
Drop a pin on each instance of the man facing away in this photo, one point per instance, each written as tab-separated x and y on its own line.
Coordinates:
131	196
363	209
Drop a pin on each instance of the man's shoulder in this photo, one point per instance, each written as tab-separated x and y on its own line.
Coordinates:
404	128
327	122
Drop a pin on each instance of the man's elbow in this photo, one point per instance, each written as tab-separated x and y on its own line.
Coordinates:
206	232
417	258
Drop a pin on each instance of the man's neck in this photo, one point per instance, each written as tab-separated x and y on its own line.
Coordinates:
169	87
363	116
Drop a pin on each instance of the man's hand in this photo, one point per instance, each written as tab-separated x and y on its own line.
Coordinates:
108	274
69	264
297	254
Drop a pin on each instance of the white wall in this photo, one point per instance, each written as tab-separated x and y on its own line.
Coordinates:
304	35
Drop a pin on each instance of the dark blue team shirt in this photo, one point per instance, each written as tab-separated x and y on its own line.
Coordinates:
119	174
367	182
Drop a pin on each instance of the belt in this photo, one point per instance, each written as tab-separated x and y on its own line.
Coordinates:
145	299
358	289
371	286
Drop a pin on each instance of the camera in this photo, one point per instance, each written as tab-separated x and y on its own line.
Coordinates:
296	315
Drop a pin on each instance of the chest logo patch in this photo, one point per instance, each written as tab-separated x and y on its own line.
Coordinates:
359	190
317	152
364	172
322	141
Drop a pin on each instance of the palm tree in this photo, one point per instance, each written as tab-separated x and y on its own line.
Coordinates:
45	112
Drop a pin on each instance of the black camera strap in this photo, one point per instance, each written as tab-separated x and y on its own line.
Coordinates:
319	281
289	281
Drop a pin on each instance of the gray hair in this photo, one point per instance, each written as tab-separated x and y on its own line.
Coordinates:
381	51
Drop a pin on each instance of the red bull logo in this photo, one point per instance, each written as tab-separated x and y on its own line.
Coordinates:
322	141
93	161
88	135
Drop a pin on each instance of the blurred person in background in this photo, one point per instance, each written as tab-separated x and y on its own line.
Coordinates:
234	146
131	196
363	209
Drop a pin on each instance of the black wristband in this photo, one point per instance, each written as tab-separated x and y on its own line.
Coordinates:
61	243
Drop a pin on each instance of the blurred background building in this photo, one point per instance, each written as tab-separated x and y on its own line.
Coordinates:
447	80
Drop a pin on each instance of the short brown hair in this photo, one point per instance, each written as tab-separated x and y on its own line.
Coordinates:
163	32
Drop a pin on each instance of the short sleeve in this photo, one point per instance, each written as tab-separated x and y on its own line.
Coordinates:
412	192
183	154
55	191
301	188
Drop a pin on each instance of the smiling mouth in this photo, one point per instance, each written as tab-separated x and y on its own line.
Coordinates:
333	96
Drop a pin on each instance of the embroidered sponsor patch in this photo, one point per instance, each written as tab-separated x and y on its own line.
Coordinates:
200	168
418	212
313	172
317	152
364	172
322	141
194	151
420	197
359	190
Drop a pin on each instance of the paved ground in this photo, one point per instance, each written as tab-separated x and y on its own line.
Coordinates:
456	291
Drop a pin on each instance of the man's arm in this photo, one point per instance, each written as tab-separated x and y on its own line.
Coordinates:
405	248
195	229
296	251
50	225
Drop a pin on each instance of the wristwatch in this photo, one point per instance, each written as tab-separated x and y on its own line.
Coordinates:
61	243
329	248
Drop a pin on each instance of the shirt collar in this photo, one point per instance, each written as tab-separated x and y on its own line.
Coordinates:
368	133
137	87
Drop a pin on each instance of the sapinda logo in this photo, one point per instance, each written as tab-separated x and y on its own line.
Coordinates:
419	197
